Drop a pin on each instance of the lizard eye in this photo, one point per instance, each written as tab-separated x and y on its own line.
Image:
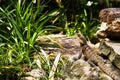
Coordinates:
82	45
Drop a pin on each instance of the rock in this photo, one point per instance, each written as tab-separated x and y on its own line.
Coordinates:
34	74
82	70
111	50
109	14
66	45
110	26
109	31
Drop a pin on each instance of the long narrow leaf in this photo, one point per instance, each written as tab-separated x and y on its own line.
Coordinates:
4	38
41	25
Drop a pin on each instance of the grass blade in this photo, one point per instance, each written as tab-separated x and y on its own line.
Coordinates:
54	67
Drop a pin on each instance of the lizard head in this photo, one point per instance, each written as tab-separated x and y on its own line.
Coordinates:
81	39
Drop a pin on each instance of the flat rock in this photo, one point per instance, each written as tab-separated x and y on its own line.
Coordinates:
115	45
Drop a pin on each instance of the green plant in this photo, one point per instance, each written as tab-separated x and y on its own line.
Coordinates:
21	22
23	25
78	18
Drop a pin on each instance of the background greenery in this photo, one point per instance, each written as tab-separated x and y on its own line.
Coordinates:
22	21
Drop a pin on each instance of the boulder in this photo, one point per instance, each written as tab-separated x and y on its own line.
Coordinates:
111	50
110	23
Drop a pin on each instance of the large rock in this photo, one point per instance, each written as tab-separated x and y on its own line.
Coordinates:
81	63
109	14
82	70
110	26
111	51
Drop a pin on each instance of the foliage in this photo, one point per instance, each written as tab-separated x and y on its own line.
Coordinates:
22	21
76	17
20	26
23	25
10	73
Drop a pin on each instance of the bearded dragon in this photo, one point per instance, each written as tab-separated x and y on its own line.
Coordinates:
92	55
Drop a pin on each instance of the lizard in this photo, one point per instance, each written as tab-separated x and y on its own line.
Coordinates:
92	55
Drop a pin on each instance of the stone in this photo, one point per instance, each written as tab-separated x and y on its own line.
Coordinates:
82	70
111	50
110	26
34	74
109	14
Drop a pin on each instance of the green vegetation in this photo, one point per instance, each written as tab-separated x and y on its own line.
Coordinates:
22	21
22	25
